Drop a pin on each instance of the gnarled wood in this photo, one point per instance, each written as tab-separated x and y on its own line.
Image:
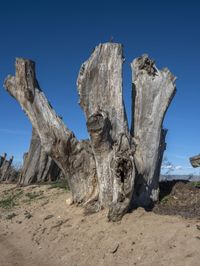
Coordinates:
38	166
57	140
101	171
153	91
7	171
100	89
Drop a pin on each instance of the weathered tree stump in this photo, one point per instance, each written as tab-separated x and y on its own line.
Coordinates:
100	89
37	165
7	171
116	167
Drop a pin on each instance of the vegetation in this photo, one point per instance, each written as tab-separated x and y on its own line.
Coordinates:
196	184
10	200
34	195
62	184
11	215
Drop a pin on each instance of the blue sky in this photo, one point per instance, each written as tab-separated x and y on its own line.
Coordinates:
60	35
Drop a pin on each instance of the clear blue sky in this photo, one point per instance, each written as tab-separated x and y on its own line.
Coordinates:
60	35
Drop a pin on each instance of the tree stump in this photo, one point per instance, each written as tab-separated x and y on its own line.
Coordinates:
116	167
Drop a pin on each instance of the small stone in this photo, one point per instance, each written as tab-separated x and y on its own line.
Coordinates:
115	248
48	217
69	201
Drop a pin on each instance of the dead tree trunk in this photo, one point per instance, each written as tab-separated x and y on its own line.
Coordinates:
74	158
100	89
152	93
2	159
37	165
195	161
102	170
7	172
5	167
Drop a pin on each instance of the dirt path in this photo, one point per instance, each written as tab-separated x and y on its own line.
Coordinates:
43	230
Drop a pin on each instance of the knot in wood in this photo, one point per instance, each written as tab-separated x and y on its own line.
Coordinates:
98	123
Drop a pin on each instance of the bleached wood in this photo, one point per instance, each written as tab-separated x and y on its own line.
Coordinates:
73	157
115	168
37	165
153	91
100	90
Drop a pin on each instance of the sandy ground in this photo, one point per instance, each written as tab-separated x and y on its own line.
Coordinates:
42	230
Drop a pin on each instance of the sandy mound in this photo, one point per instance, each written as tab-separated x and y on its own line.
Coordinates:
38	228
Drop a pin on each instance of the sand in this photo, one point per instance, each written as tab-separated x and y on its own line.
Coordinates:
43	230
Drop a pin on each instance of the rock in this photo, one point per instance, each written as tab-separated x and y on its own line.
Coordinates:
114	248
48	217
69	201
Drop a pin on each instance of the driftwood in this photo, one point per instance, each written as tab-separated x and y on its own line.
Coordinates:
195	161
37	165
103	172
